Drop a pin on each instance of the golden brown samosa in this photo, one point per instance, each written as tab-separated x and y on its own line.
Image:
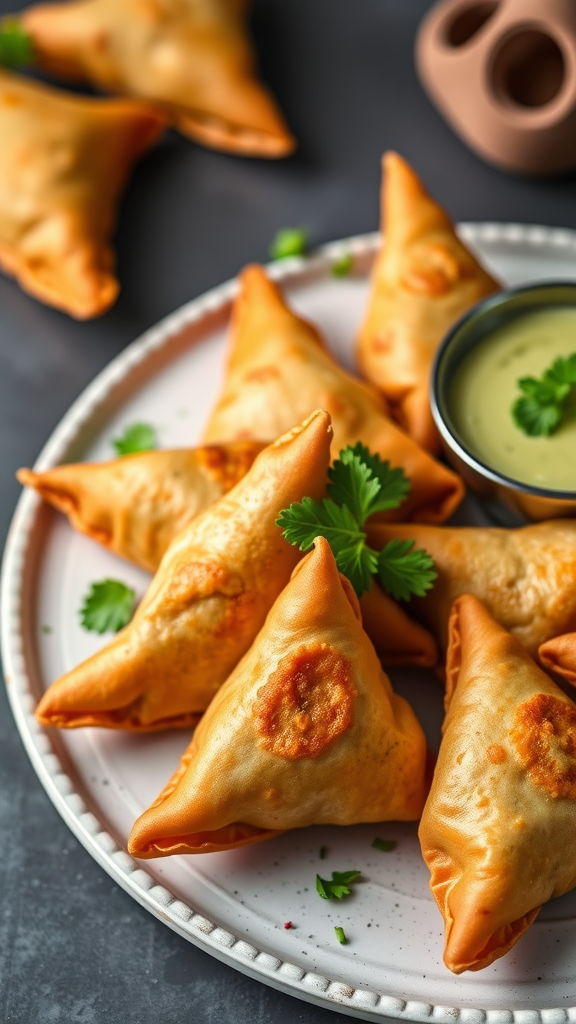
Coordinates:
525	577
398	639
559	655
307	730
279	371
192	58
499	825
210	596
424	279
136	505
64	160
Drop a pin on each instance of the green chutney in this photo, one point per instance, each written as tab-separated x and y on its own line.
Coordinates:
485	387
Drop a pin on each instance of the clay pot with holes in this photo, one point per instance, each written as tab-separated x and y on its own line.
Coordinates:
503	74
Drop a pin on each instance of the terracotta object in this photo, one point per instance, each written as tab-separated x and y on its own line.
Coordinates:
503	74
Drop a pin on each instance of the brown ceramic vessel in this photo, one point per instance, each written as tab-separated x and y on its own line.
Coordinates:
503	74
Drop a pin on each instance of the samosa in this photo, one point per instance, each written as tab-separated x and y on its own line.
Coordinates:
525	577
64	161
307	730
559	655
279	371
193	59
136	505
423	281
499	825
208	600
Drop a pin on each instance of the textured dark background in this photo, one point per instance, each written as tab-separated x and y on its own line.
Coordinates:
74	948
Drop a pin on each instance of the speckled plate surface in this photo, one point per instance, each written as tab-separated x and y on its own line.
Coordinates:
234	905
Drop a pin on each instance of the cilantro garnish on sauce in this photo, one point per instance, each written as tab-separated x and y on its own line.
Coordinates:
360	485
539	411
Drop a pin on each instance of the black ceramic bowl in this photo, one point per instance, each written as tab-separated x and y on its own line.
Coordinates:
470	330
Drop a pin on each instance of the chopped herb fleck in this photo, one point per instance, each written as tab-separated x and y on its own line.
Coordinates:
384	844
289	242
323	852
338	886
47	629
340	935
343	265
16	48
139	437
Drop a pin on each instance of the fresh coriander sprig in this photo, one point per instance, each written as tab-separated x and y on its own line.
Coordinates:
139	437
16	48
338	886
540	409
289	242
108	606
361	484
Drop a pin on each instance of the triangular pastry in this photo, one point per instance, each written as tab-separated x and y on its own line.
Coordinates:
193	58
209	598
279	371
525	577
398	639
136	505
424	279
559	655
64	160
307	730
499	825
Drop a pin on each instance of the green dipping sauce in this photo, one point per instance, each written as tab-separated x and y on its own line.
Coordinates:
485	387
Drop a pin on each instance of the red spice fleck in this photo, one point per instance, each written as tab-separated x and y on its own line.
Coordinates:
288	924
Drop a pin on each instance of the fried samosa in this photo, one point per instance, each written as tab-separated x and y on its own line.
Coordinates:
559	655
499	824
525	577
192	58
424	279
279	371
64	161
398	639
307	730
136	505
208	600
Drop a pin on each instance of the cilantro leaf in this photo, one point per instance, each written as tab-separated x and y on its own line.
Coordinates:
358	563
15	44
394	484
338	886
535	418
342	266
340	935
359	485
303	521
538	412
139	437
289	242
404	570
108	606
352	483
384	844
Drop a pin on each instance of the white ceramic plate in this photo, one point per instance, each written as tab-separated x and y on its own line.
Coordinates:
235	904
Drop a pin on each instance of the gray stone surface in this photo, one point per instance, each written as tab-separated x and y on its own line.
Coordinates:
73	946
